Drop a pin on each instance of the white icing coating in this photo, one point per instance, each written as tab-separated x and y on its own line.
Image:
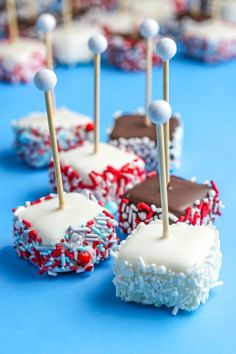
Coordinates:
211	30
51	223
83	160
120	22
63	118
18	52
70	43
186	247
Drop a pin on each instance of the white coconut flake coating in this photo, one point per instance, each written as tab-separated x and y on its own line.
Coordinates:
178	272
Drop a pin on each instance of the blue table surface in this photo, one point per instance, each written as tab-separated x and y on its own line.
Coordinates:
80	314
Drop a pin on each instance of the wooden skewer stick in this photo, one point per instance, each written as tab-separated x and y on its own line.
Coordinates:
160	112
166	49
97	44
12	20
215	9
148	30
46	24
122	6
67	12
97	65
45	80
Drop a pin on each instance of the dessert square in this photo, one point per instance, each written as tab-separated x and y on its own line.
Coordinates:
130	133
64	240
70	43
20	60
210	41
189	202
32	139
178	271
107	174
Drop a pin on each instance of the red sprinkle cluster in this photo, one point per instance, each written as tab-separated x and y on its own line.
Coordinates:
201	212
108	185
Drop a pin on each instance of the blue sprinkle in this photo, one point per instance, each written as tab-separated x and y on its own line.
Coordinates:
63	260
96	231
111	207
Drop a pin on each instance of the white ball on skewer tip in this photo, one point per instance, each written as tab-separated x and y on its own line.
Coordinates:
46	23
97	44
166	48
45	80
149	28
159	112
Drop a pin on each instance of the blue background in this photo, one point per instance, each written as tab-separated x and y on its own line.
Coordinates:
71	313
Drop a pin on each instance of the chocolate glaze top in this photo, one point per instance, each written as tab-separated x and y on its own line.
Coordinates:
133	126
181	193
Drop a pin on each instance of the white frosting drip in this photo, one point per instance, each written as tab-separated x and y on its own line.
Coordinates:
63	118
51	223
70	43
84	161
186	247
18	51
212	30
